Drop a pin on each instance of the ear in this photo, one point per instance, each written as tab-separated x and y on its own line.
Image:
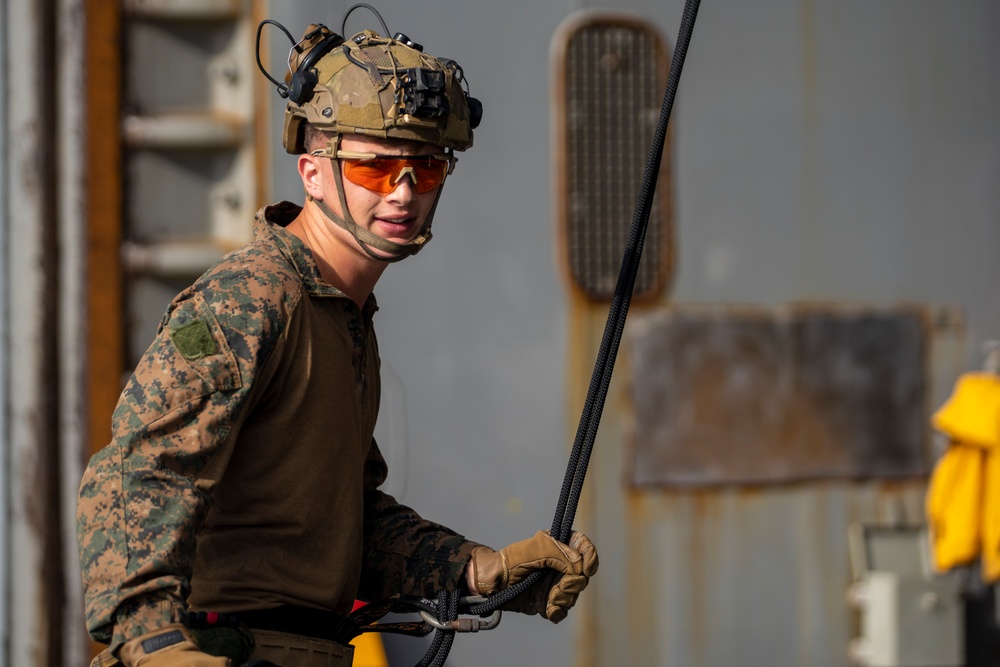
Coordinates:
311	173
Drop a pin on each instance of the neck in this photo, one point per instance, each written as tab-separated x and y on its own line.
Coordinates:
341	262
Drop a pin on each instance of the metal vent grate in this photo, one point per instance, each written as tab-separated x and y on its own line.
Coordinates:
610	73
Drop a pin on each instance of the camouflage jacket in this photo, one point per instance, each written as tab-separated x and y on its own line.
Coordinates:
242	473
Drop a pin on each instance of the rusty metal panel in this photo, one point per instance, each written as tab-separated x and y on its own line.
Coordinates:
754	395
713	578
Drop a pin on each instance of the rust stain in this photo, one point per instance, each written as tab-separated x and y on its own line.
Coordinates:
701	515
641	573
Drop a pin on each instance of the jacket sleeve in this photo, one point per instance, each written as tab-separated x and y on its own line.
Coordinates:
404	553
143	497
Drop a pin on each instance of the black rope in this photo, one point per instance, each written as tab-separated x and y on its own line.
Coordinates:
447	610
562	525
583	445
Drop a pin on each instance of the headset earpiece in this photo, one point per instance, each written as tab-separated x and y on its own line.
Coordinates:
304	80
300	88
475	111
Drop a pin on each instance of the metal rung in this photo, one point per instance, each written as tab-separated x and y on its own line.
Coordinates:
170	260
187	10
184	131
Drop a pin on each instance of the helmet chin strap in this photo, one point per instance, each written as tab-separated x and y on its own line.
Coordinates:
369	242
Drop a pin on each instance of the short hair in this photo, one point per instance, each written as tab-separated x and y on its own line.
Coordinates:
313	138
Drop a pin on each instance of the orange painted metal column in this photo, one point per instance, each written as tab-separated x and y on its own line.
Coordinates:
103	214
103	219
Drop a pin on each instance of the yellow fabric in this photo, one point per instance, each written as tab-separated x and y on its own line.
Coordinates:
972	414
963	497
369	651
991	519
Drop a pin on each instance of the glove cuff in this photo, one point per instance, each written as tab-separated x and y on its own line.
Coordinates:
174	636
490	570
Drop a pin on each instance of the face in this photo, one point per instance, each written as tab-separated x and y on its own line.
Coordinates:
398	215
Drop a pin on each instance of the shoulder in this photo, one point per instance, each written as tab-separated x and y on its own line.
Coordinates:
251	294
255	277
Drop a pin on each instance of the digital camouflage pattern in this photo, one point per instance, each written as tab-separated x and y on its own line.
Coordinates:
242	473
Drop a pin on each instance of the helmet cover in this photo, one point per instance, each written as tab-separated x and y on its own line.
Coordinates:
377	87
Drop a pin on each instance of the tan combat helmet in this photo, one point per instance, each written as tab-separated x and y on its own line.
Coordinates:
379	87
374	86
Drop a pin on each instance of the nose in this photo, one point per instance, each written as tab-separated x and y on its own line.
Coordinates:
404	172
405	187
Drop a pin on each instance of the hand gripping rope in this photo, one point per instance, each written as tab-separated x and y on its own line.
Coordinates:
443	613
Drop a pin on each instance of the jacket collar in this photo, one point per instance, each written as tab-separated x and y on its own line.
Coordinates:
269	225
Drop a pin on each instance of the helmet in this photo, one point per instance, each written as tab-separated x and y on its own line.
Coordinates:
378	87
375	86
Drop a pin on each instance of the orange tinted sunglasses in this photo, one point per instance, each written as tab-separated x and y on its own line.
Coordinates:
382	173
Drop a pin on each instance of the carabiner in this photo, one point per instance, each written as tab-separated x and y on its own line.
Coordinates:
467	624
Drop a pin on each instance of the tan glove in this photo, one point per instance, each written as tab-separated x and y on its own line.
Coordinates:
571	567
552	596
170	646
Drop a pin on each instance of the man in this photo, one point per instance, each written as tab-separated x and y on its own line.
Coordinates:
240	489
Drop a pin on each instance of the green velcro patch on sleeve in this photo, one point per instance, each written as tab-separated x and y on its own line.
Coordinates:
194	340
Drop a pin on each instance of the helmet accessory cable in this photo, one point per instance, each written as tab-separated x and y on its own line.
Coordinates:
343	24
282	87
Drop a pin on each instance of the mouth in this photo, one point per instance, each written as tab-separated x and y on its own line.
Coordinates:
396	225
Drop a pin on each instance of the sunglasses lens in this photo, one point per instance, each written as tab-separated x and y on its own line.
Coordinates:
430	174
382	174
